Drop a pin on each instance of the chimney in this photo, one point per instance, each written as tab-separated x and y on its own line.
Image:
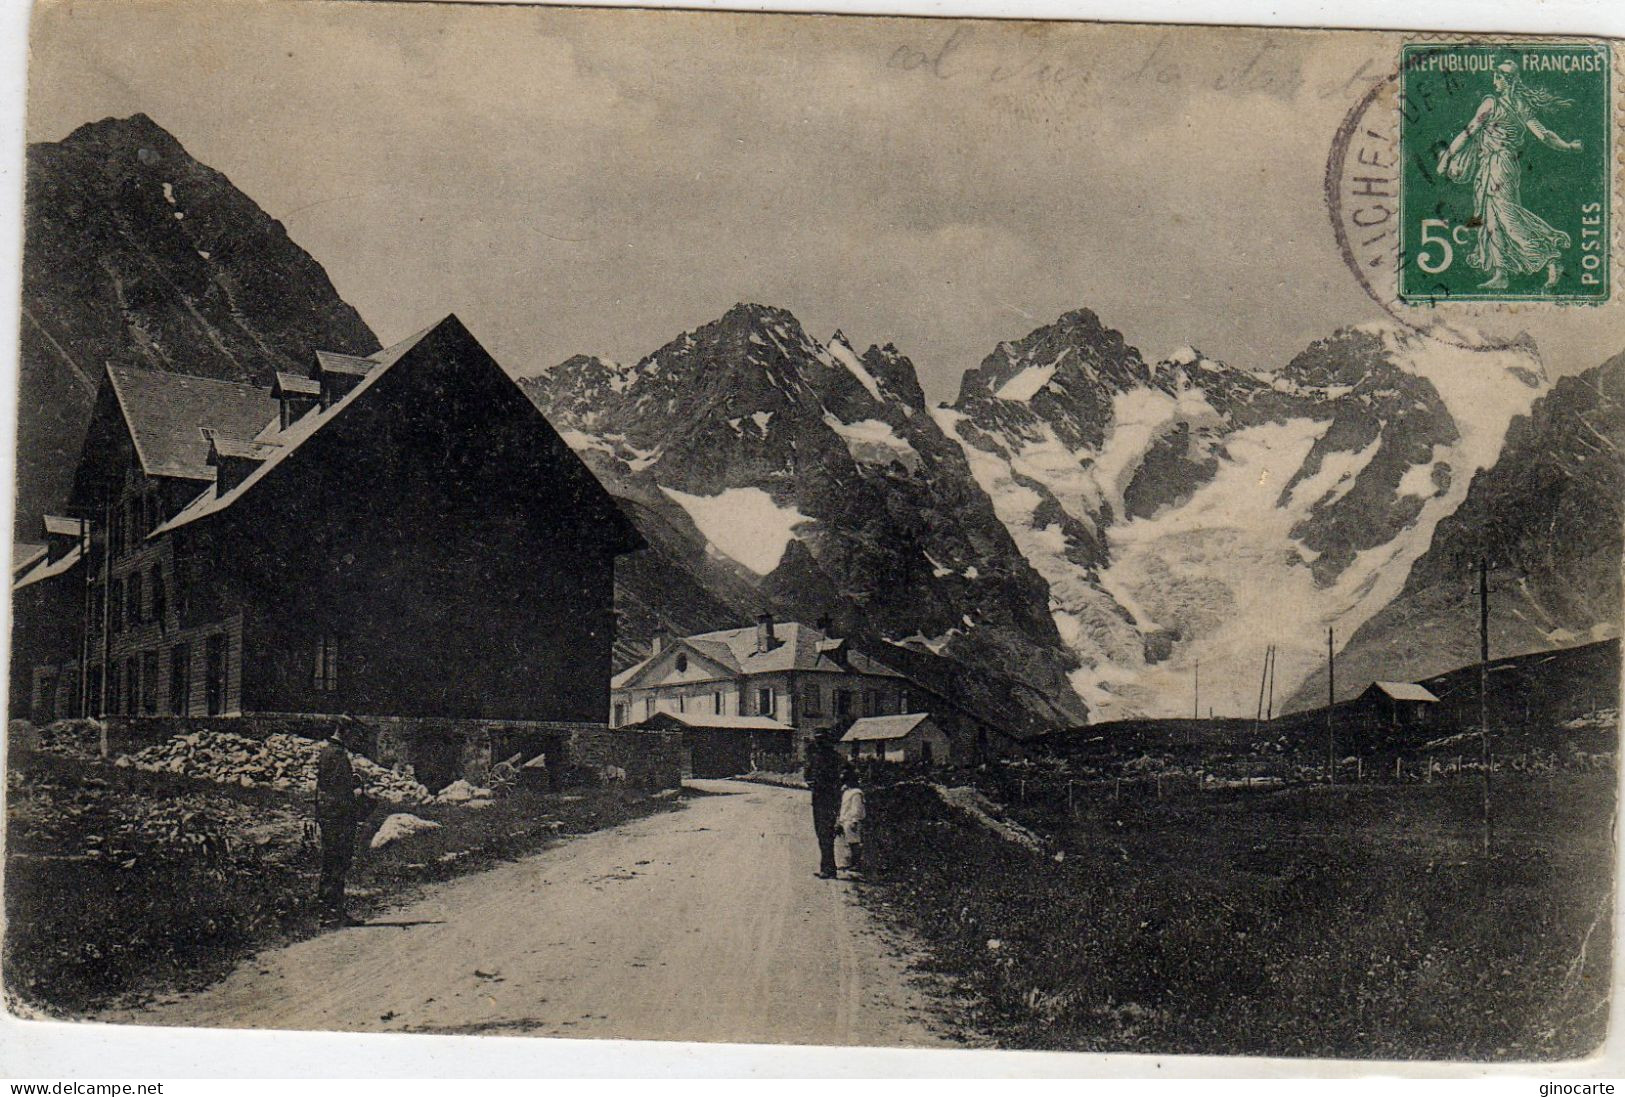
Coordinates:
766	641
826	624
295	395
658	641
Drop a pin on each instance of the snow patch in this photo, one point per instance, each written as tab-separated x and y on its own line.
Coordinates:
1025	385
761	419
842	353
1337	474
1418	479
169	193
873	442
744	524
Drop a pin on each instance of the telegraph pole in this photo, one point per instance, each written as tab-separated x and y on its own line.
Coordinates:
1331	701
1269	708
1484	687
1262	677
1196	701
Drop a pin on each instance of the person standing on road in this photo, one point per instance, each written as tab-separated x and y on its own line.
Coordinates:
340	806
851	818
824	780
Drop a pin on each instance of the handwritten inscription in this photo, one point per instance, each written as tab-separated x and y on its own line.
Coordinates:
1040	58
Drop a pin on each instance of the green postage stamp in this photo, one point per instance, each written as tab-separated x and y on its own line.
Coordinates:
1505	188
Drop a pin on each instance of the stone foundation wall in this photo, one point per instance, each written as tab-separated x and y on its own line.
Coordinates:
442	750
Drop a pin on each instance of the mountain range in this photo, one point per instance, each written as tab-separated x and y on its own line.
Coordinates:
1082	533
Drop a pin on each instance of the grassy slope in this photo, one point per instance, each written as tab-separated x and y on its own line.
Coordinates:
122	884
1350	923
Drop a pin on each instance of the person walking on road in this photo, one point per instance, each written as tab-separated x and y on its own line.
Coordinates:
824	780
340	806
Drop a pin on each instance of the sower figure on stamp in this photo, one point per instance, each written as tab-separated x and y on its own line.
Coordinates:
340	807
1512	239
824	780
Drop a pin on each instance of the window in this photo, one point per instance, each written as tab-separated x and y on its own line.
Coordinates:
132	598
717	705
648	707
810	701
132	686
325	673
160	598
843	702
180	679
116	605
115	688
214	674
149	683
620	714
682	662
98	606
116	533
682	702
871	704
764	702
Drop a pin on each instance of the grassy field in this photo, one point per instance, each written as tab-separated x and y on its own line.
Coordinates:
122	884
1356	922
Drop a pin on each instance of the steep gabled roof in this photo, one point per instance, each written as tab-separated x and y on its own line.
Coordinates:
798	647
287	441
884	727
165	410
716	654
1405	691
447	343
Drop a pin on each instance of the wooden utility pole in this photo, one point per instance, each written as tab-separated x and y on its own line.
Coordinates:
1269	704
1331	701
1196	701
1484	686
1262	678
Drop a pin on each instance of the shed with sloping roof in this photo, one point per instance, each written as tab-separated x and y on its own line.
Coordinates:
909	738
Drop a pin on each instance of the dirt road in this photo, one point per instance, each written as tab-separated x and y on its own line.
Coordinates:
700	924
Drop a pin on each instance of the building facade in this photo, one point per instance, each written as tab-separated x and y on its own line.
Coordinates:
796	674
400	535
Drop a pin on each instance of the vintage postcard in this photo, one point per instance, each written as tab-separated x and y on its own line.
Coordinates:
817	530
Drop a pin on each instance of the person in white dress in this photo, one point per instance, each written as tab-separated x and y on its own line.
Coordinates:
851	818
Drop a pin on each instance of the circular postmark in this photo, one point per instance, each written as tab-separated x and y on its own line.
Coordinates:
1362	191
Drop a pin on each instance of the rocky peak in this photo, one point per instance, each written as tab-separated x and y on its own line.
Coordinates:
137	254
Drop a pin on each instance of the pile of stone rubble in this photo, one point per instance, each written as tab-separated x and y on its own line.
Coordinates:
277	761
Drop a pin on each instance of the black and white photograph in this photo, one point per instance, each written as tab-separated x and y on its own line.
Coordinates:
827	530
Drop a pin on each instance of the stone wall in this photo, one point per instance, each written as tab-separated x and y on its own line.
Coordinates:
440	750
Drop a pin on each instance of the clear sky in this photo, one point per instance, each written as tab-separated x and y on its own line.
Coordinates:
596	182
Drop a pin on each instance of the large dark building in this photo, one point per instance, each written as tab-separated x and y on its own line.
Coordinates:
401	534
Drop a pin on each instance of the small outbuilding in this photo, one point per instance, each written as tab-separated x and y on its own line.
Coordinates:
912	737
726	746
1398	704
